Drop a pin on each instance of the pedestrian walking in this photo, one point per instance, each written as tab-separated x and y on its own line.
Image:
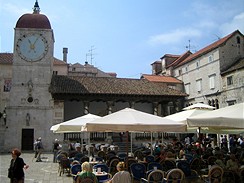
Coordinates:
16	168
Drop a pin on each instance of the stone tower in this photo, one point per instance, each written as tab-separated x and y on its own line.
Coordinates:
30	109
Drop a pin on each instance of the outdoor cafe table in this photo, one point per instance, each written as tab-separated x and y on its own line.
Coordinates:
101	176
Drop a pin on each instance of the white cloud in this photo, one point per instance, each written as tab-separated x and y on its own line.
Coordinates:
176	36
13	9
234	24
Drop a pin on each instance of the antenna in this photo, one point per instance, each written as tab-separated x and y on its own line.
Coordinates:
189	47
90	53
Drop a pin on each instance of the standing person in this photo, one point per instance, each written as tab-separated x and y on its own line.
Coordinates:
121	176
39	147
17	164
56	147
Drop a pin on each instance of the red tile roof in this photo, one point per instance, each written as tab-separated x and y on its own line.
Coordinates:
170	55
162	79
209	48
180	59
6	58
59	62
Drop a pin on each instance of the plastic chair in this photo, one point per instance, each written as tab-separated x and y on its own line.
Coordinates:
83	159
215	174
122	156
84	180
188	157
101	154
138	171
151	166
195	164
150	158
74	170
155	176
168	165
139	154
64	165
241	171
211	160
113	166
189	173
130	161
175	175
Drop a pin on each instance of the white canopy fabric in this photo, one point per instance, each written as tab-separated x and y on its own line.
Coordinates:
73	125
182	116
132	120
231	117
199	106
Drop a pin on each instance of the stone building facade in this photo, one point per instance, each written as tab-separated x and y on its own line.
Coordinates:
204	72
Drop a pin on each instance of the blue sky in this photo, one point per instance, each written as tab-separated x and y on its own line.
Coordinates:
127	35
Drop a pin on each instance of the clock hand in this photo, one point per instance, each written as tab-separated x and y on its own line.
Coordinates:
35	41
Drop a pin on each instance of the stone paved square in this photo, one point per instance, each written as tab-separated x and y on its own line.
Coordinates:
38	172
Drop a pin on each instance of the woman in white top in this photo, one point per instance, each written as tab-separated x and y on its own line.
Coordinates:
121	176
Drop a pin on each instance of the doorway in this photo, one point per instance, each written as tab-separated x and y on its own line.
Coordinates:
27	139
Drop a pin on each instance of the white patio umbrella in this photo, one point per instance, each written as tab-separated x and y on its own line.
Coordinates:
199	106
183	115
132	120
231	117
73	125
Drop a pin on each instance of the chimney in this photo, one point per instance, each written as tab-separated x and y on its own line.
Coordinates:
65	53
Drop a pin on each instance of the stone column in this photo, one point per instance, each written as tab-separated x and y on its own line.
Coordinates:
109	106
132	104
86	107
155	108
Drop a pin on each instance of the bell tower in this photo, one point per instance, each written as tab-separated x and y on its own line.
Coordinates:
30	105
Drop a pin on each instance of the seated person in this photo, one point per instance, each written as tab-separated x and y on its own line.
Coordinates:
86	172
121	176
220	161
232	164
170	156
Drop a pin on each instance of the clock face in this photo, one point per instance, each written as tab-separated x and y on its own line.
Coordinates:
32	47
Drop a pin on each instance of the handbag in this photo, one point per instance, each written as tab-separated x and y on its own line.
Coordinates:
10	173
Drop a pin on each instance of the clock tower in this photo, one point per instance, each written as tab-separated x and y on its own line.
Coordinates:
30	109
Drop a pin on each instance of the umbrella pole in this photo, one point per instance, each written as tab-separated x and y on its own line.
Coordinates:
151	143
131	143
127	147
89	143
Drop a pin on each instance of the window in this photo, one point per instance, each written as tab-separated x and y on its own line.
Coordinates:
199	85
210	58
229	80
7	85
187	88
212	81
186	68
73	69
55	72
198	64
238	40
180	72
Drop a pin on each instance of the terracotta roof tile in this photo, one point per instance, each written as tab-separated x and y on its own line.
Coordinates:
180	59
59	62
163	79
208	48
108	85
6	58
170	55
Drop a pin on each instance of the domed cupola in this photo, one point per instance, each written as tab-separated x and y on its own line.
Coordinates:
34	20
